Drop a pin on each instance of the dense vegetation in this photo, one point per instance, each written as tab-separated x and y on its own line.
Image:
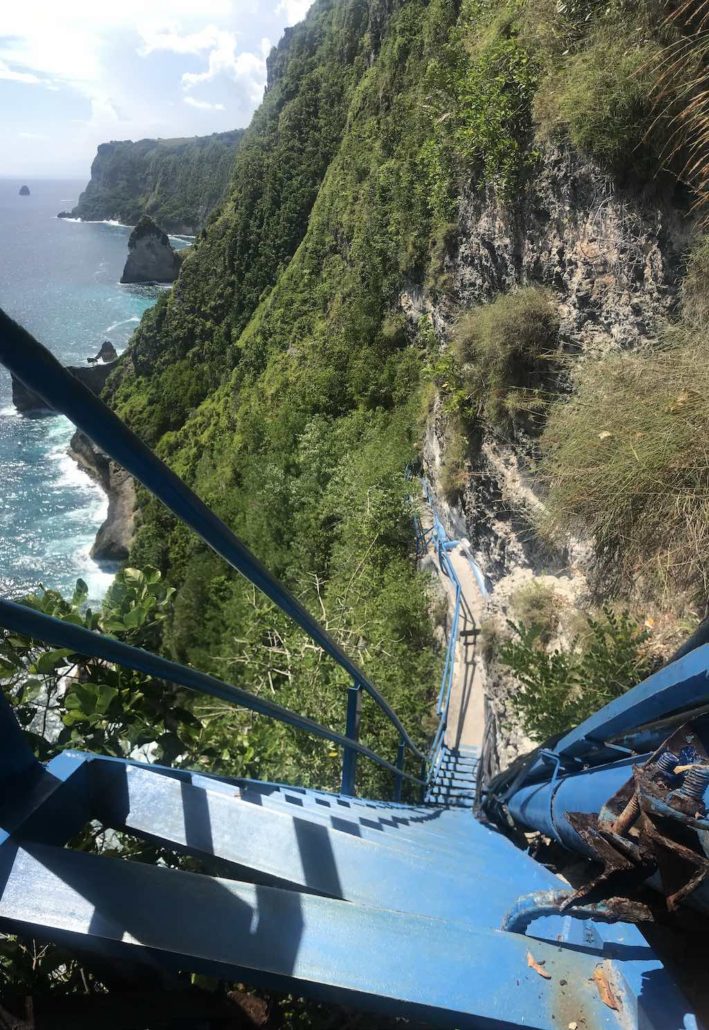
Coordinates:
177	182
280	377
283	380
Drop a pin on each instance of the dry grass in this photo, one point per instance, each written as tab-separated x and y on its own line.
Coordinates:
504	349
681	93
537	605
628	460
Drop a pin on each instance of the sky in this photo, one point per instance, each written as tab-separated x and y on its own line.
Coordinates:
76	73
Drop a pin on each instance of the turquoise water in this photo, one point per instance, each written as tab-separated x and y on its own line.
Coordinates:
60	279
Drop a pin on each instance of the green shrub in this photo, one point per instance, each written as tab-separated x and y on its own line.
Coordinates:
455	451
494	82
559	689
505	349
602	98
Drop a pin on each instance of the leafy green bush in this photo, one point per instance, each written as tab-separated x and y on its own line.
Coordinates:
66	700
494	85
559	689
505	349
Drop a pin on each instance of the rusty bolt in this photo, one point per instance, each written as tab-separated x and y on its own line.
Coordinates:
663	766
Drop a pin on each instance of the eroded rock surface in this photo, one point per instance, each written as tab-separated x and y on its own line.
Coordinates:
151	259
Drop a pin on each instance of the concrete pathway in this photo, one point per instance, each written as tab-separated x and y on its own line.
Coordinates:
466	712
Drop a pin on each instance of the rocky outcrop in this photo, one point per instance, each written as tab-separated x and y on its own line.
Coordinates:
151	259
93	376
612	260
114	537
106	353
24	191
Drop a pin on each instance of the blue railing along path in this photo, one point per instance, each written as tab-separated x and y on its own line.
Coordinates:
40	371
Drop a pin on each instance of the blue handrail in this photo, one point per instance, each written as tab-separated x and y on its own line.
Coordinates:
40	371
19	618
442	544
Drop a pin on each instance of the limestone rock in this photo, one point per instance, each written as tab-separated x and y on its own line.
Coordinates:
151	259
114	537
24	191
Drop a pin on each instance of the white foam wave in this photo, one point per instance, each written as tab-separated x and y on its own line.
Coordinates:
9	412
97	221
125	321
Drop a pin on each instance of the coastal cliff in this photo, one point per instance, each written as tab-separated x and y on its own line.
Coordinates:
455	256
115	535
178	182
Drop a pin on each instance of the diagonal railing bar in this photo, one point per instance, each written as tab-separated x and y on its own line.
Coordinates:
18	618
40	371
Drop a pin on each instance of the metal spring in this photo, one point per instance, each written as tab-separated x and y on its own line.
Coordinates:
696	781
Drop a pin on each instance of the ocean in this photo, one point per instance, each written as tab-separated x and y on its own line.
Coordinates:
59	279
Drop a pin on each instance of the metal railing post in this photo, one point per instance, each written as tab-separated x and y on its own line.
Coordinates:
349	758
400	759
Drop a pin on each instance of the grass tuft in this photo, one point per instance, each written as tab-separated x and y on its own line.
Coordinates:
601	97
504	349
627	458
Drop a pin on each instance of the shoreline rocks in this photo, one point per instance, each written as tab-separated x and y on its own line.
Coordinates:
93	376
151	259
106	354
115	535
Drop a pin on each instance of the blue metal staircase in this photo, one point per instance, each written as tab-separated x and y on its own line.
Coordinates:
415	910
453	781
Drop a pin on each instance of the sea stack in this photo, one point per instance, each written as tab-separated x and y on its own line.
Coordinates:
107	353
151	259
24	191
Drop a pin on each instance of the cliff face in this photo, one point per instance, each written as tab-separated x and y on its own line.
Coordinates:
422	181
178	182
114	538
151	259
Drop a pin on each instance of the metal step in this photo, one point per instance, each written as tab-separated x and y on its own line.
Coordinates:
448	972
292	849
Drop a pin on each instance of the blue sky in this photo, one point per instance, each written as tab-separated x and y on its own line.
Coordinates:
76	73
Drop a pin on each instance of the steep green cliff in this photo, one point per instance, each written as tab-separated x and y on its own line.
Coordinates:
177	182
405	160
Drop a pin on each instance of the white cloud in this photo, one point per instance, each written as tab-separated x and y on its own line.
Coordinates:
294	10
246	68
127	69
203	105
172	40
17	76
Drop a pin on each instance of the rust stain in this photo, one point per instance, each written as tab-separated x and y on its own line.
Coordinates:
604	988
538	967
